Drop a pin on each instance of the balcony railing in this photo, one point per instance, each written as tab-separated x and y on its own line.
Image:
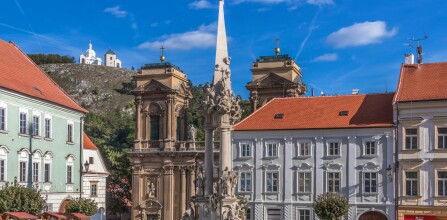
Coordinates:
161	145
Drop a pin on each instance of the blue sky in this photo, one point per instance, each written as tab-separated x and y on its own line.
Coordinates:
340	45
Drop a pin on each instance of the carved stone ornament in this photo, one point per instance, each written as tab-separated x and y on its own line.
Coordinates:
231	212
200	182
228	182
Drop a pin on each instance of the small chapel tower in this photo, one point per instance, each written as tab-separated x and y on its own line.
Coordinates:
274	76
111	60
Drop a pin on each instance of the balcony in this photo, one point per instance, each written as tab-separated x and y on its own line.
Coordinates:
171	146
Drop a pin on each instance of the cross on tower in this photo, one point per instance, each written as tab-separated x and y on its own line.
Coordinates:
162	57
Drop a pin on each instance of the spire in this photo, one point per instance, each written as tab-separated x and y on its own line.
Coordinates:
222	66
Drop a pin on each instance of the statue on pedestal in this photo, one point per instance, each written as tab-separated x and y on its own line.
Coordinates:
192	133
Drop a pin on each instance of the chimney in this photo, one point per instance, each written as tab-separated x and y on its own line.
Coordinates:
313	92
355	91
409	58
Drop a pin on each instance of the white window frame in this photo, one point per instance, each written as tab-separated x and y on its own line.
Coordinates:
48	117
69	162
49	172
299	146
267	173
412	179
376	145
241	150
298	211
444	137
240	181
25	112
304	187
339	179
20	172
370	181
444	181
33	172
4	156
412	136
276	149
96	188
5	110
72	132
36	128
328	145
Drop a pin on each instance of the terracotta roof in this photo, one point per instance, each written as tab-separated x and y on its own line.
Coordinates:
19	215
49	215
322	112
20	74
88	144
423	82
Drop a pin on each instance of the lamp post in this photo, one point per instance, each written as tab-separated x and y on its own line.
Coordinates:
86	166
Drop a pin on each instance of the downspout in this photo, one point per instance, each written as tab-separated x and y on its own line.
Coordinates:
81	143
396	165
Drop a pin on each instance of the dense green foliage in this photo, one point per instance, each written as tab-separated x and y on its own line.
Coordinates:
18	198
81	205
50	58
330	206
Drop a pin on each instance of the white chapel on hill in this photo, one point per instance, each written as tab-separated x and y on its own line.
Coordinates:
89	57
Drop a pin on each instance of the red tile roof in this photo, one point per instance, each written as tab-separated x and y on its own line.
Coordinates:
88	144
20	74
19	215
423	82
322	112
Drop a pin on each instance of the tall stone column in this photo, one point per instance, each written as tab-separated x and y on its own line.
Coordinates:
138	124
225	148
209	159
169	121
183	190
168	191
191	186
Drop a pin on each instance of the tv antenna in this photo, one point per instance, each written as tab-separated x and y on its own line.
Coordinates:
419	49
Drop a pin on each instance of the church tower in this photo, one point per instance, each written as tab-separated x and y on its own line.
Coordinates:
165	151
274	76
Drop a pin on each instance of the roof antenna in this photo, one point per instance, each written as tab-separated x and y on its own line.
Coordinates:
419	49
162	57
277	50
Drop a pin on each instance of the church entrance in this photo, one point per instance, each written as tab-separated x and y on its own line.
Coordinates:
373	216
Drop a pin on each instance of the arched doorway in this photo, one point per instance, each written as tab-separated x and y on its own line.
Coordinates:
64	205
373	215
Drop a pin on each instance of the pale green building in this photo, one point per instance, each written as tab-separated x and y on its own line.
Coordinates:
40	130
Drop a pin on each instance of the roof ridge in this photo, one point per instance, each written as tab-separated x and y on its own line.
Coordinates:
257	110
335	96
54	83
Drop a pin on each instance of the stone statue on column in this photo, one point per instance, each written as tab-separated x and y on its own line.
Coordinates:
192	133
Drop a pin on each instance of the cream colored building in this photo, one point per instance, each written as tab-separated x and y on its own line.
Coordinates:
420	107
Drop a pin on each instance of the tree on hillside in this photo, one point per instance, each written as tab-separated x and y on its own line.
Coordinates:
50	58
18	198
81	205
330	206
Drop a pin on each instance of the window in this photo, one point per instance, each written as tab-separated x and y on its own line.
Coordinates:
35	172
2	170
36	125
333	182
442	138
411	138
370	182
93	189
22	171
245	182
304	214
333	149
442	183
272	150
47	173
248	214
245	150
2	119
69	174
411	183
272	182
70	133
155	127
47	128
304	182
91	160
23	122
370	148
304	149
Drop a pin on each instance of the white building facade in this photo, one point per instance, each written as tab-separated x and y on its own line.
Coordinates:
89	56
283	169
111	60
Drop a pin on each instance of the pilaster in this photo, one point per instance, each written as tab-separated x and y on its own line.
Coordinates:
287	170
319	173
351	170
168	194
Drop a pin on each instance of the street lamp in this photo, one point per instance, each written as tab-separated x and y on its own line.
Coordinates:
86	166
389	170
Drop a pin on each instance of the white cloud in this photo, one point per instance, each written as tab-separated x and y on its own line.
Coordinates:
320	2
116	11
326	57
203	37
360	34
200	4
